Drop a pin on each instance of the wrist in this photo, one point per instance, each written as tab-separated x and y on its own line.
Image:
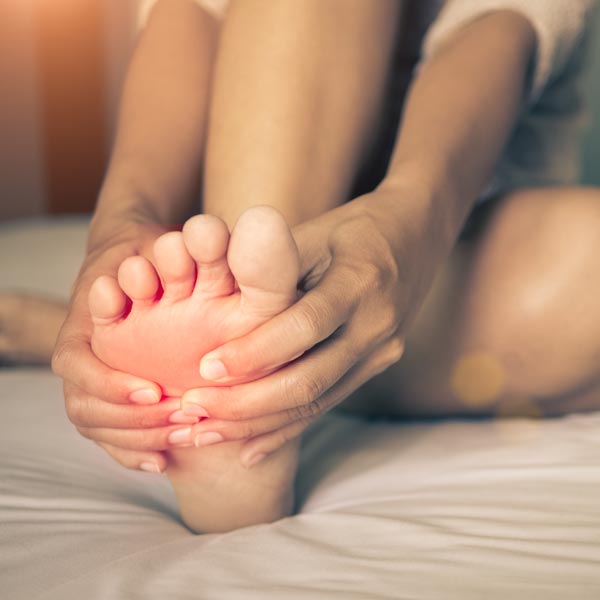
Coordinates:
122	221
431	196
417	228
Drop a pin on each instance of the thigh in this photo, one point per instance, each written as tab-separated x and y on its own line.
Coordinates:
512	321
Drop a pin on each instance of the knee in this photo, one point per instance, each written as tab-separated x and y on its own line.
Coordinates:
541	324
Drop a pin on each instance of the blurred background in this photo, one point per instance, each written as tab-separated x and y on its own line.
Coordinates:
61	66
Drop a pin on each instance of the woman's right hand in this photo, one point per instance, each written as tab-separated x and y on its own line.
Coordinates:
121	412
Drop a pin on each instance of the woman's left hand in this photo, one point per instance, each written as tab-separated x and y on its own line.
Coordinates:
359	273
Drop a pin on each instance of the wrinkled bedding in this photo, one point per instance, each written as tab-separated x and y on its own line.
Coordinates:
441	510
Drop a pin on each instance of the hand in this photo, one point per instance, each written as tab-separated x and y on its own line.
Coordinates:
106	405
346	329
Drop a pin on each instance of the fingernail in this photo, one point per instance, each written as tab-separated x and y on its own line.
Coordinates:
150	467
253	460
194	410
144	397
181	436
181	418
208	438
212	369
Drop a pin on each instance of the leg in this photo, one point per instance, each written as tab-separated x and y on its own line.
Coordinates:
291	123
295	142
29	326
512	323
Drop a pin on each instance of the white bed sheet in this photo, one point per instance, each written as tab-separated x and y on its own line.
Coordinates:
453	510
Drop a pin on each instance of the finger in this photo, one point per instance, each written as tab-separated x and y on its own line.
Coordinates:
258	448
293	387
75	362
143	440
214	431
318	314
152	462
85	410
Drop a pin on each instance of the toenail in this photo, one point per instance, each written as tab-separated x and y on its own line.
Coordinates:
208	438
150	467
253	460
144	397
212	369
194	410
181	418
181	436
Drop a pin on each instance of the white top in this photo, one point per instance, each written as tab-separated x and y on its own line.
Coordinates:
545	146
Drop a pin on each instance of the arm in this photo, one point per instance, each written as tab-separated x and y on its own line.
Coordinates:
155	164
452	134
149	185
459	115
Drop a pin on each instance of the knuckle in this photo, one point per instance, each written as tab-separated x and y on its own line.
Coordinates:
245	431
311	411
387	323
307	319
372	277
302	390
290	433
305	413
85	432
222	402
140	419
74	409
390	354
235	412
395	350
61	358
242	359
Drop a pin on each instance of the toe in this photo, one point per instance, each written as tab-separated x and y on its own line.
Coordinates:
264	260
206	238
107	301
175	266
139	280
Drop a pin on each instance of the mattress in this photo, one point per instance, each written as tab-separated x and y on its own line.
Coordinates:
428	510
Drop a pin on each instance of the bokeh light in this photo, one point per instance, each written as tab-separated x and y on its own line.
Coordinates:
478	379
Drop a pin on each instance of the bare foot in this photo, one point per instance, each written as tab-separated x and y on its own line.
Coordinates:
29	326
157	322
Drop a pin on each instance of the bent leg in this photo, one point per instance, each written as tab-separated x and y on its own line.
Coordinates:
298	90
512	323
289	126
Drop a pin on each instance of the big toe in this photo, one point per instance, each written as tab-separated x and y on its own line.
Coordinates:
264	260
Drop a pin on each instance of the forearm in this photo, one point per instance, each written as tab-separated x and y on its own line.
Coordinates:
460	112
155	166
297	91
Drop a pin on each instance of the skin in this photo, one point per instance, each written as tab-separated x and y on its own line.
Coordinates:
29	326
380	295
